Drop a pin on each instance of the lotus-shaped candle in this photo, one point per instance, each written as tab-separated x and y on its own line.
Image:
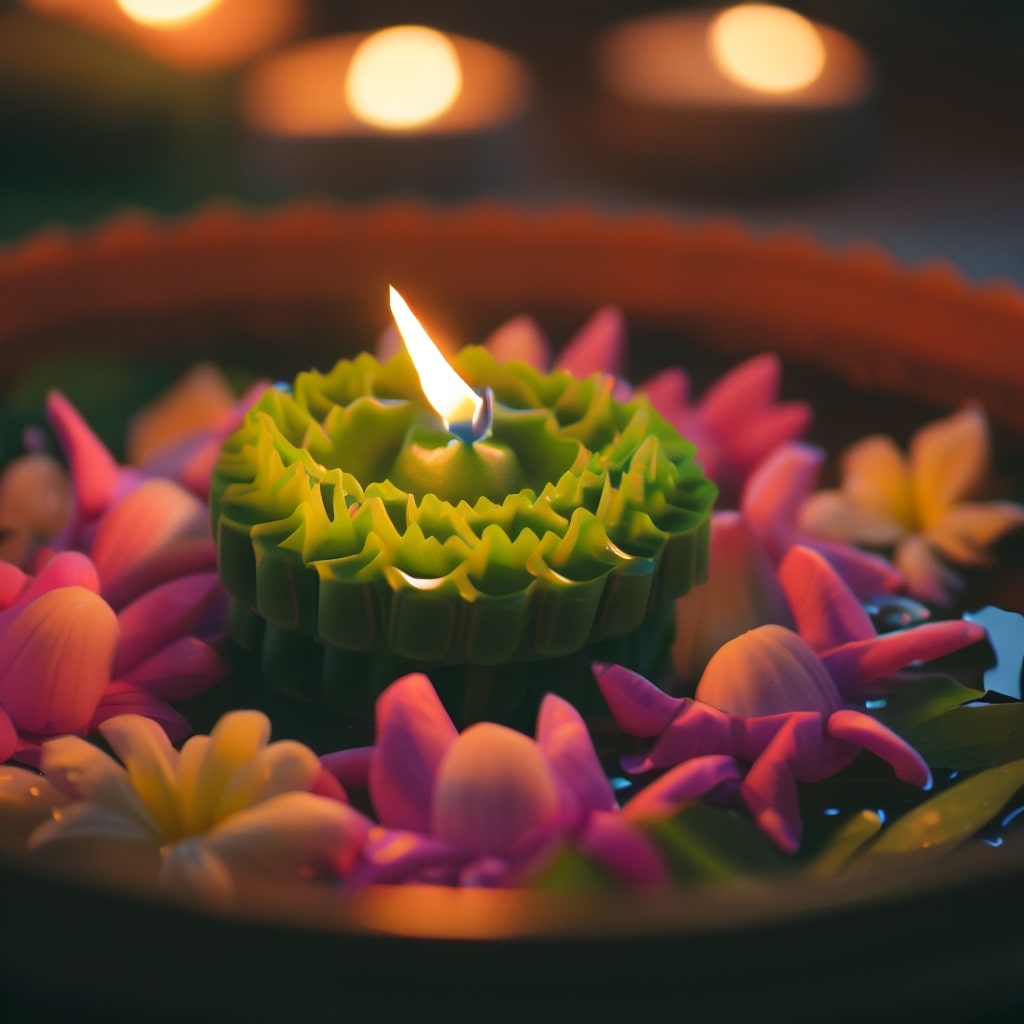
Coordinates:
347	511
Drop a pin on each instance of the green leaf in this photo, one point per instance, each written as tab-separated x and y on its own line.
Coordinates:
571	870
920	698
845	843
940	824
706	843
967	738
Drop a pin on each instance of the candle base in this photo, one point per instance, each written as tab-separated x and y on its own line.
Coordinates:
347	683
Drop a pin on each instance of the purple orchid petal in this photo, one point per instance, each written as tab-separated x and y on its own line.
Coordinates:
520	340
697	730
639	707
563	739
392	856
95	473
350	767
8	736
183	669
56	655
827	612
623	850
864	573
864	731
495	794
691	779
161	616
854	666
414	733
599	346
122	698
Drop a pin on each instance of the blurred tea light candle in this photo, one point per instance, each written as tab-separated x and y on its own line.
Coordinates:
398	108
749	95
191	35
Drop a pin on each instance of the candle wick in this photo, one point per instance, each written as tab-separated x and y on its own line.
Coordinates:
478	428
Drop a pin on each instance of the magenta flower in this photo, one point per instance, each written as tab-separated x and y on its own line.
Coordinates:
68	661
488	806
777	702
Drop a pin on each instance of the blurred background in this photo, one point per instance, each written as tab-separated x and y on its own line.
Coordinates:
910	132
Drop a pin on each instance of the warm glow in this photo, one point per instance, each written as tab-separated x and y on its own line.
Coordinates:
403	77
453	399
766	48
162	13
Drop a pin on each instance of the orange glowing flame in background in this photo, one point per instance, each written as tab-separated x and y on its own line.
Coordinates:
403	77
766	48
166	13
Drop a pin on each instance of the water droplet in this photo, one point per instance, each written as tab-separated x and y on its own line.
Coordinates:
881	815
998	841
831	812
33	791
619	783
890	612
876	705
953	775
283	385
1010	817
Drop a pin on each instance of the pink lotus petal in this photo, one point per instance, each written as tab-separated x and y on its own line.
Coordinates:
639	707
563	739
413	734
624	851
855	665
520	340
55	660
350	767
669	392
67	569
12	582
827	612
746	388
161	616
495	794
867	575
968	530
95	473
396	855
328	786
697	730
776	490
691	779
949	460
599	346
183	669
137	531
867	732
121	698
8	736
754	438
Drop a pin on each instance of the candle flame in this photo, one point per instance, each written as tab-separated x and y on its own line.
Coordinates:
403	77
166	13
452	398
766	48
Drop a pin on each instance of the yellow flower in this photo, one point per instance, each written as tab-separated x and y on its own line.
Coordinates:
227	804
922	505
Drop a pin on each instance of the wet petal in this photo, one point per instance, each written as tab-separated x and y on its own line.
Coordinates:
151	763
520	340
856	664
949	460
624	851
639	707
94	471
967	531
494	793
827	612
91	821
162	616
687	781
865	731
413	734
563	738
599	346
55	660
26	801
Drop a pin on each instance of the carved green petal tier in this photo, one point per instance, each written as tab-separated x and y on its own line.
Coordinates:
344	511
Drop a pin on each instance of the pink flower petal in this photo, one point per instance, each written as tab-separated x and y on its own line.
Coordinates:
8	736
599	346
669	392
350	767
95	473
55	660
746	388
775	491
865	731
495	794
855	665
161	616
623	850
122	698
687	781
520	340
67	569
563	739
12	582
697	730
413	734
827	612
639	707
753	439
864	573
393	856
183	669
949	460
